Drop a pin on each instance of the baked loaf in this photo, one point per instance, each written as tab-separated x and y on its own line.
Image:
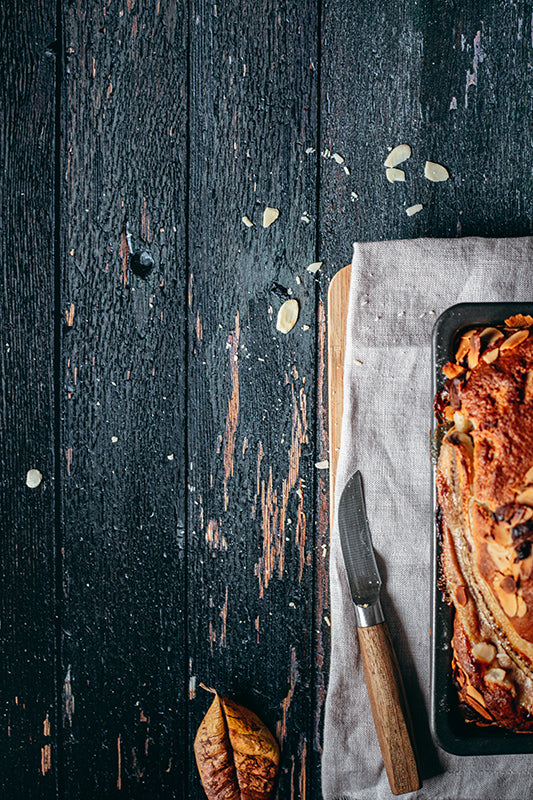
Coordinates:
485	519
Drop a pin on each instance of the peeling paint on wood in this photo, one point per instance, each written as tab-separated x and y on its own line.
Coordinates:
233	407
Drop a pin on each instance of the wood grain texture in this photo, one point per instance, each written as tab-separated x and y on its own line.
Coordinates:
28	754
338	292
123	443
251	388
389	708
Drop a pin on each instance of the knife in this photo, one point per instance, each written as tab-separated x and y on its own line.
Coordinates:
380	666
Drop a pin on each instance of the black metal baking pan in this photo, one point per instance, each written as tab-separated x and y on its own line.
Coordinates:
449	728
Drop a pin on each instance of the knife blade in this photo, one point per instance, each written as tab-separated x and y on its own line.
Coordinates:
382	673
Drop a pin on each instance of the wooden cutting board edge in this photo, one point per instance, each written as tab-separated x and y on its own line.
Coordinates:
336	324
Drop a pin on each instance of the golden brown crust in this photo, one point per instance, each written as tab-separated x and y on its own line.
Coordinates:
485	500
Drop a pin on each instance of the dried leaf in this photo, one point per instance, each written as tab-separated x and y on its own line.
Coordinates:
236	755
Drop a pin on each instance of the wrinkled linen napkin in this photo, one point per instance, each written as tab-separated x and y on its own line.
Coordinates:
398	289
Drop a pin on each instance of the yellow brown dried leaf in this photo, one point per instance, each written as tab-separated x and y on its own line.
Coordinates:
236	755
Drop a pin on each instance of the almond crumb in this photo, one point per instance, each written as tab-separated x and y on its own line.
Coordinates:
414	209
270	215
315	266
247	221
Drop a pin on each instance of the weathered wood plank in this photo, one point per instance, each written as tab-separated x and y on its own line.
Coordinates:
28	755
252	389
123	433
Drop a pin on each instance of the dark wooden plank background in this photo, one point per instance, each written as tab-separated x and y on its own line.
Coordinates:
180	533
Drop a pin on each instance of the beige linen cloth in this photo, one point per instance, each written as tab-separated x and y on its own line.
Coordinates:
398	289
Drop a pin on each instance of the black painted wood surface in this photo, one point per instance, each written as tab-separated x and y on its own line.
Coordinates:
180	532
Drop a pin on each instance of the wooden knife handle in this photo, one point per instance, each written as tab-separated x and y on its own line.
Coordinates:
389	708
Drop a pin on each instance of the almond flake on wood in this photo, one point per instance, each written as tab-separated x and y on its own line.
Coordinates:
322	465
288	315
33	478
394	174
414	209
315	266
270	215
338	158
247	221
435	172
399	154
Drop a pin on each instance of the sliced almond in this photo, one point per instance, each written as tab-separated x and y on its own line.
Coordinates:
499	555
315	266
288	315
484	652
435	172
461	595
490	336
270	215
514	340
508	602
474	351
528	389
475	695
491	355
526	496
522	607
519	321
394	174
338	158
528	477
495	675
399	154
452	370
462	423
526	567
247	221
414	209
464	346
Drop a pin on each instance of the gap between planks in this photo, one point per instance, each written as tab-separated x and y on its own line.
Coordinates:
338	292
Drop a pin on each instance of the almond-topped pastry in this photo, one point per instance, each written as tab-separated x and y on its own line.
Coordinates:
485	516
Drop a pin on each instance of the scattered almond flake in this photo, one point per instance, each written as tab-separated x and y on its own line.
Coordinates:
326	153
435	172
270	215
33	478
114	439
305	217
338	158
292	605
394	174
347	171
399	154
322	464
170	457
287	315
358	363
414	209
290	291
298	279
248	222
315	266
309	150
305	327
354	196
327	621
